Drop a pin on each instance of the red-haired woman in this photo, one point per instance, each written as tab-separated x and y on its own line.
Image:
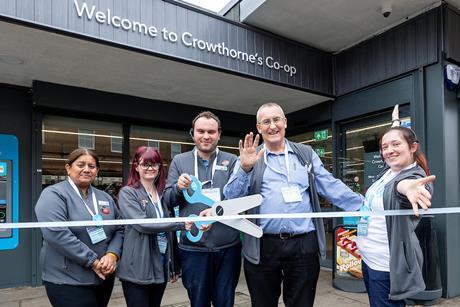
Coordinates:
146	261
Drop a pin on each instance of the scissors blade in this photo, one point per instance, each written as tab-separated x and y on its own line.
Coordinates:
236	205
245	226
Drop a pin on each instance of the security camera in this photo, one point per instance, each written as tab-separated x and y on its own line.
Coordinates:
386	9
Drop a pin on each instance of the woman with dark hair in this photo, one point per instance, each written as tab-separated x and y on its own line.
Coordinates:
147	260
78	262
391	253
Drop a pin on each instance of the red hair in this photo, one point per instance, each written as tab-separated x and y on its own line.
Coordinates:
411	138
147	155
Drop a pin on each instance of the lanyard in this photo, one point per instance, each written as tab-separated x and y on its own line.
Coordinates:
214	164
93	195
380	184
158	209
286	159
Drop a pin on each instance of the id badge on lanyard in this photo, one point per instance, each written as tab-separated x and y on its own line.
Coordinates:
162	240
95	233
212	193
363	229
291	193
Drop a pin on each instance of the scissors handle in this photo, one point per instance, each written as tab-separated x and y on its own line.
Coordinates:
197	196
195	238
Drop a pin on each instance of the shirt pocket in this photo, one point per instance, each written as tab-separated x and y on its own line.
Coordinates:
298	174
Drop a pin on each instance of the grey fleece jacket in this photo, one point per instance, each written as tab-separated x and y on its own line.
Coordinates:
406	258
219	236
67	253
141	261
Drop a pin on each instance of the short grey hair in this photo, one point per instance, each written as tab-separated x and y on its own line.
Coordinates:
269	105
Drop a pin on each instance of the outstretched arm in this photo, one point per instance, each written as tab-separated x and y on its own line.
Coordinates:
416	192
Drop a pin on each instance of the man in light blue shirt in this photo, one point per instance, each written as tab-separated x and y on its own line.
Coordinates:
289	176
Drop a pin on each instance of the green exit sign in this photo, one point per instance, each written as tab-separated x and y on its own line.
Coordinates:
320	151
321	135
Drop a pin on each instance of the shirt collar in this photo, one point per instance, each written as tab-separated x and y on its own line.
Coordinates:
286	143
403	169
211	158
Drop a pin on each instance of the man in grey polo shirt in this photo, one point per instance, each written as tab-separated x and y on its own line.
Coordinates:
211	265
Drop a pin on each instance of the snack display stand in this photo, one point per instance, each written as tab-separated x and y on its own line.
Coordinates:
346	268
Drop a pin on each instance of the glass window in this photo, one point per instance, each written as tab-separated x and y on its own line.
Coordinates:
321	142
171	142
116	143
64	134
154	144
86	138
362	161
175	150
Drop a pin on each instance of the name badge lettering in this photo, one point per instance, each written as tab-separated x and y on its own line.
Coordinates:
291	194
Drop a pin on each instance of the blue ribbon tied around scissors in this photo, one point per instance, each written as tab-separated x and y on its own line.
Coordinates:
194	195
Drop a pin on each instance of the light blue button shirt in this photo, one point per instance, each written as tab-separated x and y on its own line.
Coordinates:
276	177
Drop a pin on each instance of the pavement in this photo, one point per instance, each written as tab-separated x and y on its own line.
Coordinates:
176	296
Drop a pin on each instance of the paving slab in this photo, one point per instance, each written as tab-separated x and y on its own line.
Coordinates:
176	296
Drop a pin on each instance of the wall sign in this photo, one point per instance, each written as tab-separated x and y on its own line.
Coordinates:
92	13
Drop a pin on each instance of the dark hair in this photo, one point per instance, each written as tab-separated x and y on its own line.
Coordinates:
410	137
208	115
149	155
77	153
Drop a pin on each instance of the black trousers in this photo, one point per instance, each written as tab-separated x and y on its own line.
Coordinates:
143	295
293	262
79	296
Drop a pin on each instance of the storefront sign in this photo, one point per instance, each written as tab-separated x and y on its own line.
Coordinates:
373	166
186	38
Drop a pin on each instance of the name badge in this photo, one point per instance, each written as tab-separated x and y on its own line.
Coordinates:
291	194
103	203
162	242
96	234
362	229
221	168
213	193
104	207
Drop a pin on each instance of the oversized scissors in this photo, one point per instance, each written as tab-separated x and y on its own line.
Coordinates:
235	206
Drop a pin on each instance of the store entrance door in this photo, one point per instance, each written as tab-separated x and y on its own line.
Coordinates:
359	159
359	164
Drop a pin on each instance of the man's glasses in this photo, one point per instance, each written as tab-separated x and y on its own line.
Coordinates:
146	166
276	120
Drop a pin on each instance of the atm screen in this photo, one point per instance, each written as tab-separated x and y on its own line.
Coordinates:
5	197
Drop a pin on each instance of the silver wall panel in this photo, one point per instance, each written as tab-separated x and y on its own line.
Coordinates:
409	46
313	67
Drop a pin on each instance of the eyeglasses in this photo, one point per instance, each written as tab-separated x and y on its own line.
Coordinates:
275	120
146	166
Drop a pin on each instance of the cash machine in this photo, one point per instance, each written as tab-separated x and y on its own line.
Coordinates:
9	196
